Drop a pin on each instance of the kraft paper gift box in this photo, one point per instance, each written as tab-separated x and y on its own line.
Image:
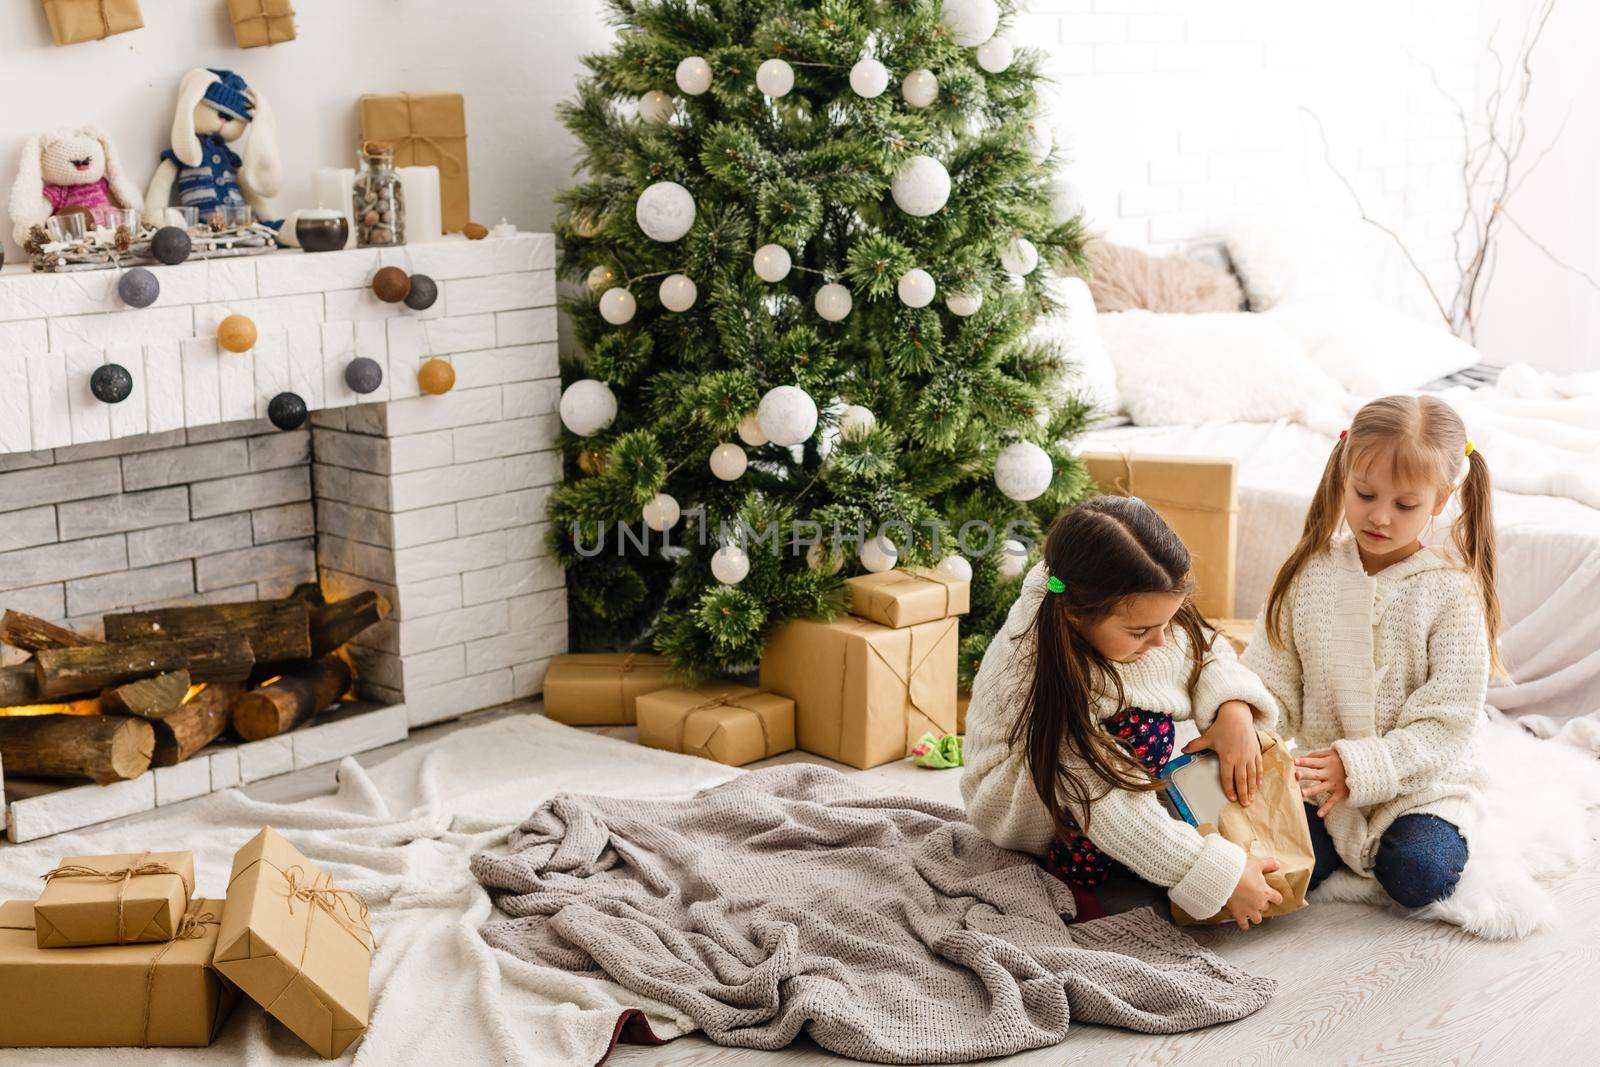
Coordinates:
72	21
906	596
1273	825
601	688
112	996
114	900
261	22
427	130
864	693
296	944
732	724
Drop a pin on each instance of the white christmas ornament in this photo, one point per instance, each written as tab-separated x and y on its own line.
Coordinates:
1066	201
788	415
916	288
661	513
869	78
970	22
1039	142
772	263
955	567
878	554
678	292
600	279
920	88
1013	558
750	431
694	75
655	107
1023	471
728	461
964	304
833	302
729	565
617	306
665	211
921	186
587	407
1019	257
824	557
856	422
775	78
995	54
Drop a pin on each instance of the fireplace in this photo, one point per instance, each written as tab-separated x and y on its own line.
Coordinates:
184	495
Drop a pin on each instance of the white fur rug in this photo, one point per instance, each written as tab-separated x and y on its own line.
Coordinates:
1539	825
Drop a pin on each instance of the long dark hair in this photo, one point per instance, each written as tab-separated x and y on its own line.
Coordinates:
1104	550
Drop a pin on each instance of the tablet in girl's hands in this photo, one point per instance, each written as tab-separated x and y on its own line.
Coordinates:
1194	785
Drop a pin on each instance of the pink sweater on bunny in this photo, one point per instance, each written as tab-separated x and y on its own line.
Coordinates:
97	194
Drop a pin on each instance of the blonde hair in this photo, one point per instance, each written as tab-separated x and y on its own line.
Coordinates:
1423	438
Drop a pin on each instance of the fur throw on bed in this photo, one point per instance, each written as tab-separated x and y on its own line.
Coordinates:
1123	278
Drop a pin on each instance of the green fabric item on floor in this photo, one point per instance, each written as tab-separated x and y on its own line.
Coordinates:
940	753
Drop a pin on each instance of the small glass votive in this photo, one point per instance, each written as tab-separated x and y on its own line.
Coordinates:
70	227
115	218
230	217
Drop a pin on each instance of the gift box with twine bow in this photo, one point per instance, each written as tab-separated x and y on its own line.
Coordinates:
600	688
427	130
906	596
261	22
732	724
114	900
74	21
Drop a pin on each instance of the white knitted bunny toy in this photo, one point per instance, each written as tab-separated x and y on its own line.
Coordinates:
215	108
68	168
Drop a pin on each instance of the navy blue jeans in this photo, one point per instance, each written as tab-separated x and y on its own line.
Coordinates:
1419	860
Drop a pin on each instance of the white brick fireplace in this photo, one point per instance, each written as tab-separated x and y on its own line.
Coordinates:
184	493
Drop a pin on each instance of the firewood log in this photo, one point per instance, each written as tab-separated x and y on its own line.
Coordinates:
295	698
106	748
148	698
220	658
32	634
334	624
17	686
277	629
196	724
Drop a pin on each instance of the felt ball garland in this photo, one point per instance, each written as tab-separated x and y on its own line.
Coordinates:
391	285
436	377
236	333
424	293
363	375
287	411
138	288
111	383
171	245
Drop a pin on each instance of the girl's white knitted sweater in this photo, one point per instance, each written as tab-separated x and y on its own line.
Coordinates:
1132	827
1390	670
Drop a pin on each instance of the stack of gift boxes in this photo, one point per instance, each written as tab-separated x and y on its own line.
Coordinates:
861	689
118	951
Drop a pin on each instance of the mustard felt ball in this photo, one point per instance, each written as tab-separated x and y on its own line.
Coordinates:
436	377
391	284
475	231
236	333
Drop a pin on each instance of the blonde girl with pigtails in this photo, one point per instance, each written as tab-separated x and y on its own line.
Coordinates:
1378	649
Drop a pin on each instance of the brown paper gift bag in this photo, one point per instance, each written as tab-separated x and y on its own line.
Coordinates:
864	693
600	688
114	900
906	596
732	724
296	944
427	130
112	996
261	22
1273	825
74	21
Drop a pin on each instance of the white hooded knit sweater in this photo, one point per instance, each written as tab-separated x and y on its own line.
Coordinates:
1390	670
1131	827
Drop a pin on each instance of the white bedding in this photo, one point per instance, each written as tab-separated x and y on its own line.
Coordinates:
1549	554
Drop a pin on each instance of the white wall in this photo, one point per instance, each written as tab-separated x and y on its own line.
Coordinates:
512	59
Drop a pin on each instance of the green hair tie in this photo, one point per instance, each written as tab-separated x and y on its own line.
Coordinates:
1055	585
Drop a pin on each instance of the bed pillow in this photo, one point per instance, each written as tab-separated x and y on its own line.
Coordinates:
1370	348
1123	278
1216	367
1076	328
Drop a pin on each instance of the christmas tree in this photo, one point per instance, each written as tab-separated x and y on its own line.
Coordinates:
809	245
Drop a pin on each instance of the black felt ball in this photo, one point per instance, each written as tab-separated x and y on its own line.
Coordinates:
170	245
138	288
363	375
424	291
287	411
111	383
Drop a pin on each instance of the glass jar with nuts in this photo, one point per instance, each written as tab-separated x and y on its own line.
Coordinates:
379	205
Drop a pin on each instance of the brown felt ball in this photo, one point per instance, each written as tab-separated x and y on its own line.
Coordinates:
436	377
236	333
475	231
392	285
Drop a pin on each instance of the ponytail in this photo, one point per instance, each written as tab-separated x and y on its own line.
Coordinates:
1473	538
1322	520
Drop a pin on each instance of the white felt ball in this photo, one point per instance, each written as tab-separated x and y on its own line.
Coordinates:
655	107
1019	257
878	554
600	279
750	431
964	304
1013	558
665	211
1016	282
916	288
772	263
678	292
729	564
1023	471
661	513
921	186
856	422
775	77
869	78
728	461
833	302
787	415
824	557
694	75
1066	200
995	54
587	407
1039	142
970	22
955	567
920	88
617	306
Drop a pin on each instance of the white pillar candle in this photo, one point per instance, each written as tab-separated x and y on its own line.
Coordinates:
424	213
335	188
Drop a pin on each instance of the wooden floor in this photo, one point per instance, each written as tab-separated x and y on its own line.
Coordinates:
1357	985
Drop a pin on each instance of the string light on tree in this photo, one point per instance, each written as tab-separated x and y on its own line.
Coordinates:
730	565
920	88
693	75
655	107
678	292
661	512
1013	558
1019	257
750	431
775	78
916	288
955	567
788	415
833	302
600	278
856	422
921	186
824	558
665	211
995	54
878	554
970	22
617	306
964	304
869	78
728	461
1022	471
587	407
772	263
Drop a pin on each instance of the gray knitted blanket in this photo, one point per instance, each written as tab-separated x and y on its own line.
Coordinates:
887	928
